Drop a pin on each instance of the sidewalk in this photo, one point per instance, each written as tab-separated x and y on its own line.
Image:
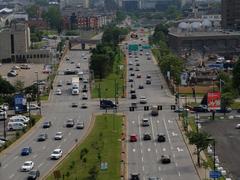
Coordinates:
201	171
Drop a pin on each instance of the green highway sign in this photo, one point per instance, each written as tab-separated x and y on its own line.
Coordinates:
133	47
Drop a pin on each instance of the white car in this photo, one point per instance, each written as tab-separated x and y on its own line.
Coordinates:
4	107
84	96
56	154
58	92
33	107
58	136
143	100
78	65
15	67
237	126
27	166
85	80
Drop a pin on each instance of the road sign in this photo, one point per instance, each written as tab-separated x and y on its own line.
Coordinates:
215	174
133	47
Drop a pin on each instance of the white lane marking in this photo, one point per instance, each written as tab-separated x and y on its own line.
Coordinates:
69	133
40	165
179	173
15	157
155	144
139	129
142	159
174	134
141	151
133	122
44	147
176	164
59	147
164	149
157	121
148	149
134	150
143	168
152	128
64	139
141	143
179	149
35	155
5	166
11	176
156	151
169	121
159	168
164	122
161	178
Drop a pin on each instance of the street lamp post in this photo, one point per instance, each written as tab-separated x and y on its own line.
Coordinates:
38	98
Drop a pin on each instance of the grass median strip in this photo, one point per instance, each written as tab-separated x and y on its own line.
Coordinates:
102	146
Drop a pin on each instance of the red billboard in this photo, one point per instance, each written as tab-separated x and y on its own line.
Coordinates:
214	100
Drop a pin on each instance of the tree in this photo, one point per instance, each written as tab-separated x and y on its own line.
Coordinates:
6	87
226	100
33	11
53	17
93	172
200	140
236	75
19	85
110	5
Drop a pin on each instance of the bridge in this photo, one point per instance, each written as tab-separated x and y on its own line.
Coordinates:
84	43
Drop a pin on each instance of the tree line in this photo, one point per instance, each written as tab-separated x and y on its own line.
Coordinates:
104	55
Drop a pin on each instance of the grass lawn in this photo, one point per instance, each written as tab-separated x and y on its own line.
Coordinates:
101	145
107	85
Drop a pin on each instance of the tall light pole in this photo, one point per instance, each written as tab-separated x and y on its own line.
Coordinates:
38	97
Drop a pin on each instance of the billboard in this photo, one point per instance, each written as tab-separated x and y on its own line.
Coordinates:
20	103
214	100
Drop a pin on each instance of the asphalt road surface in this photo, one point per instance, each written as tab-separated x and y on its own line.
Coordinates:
57	110
144	156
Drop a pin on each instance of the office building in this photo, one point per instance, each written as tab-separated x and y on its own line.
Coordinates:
231	14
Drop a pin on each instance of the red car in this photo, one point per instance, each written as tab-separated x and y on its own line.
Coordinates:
133	138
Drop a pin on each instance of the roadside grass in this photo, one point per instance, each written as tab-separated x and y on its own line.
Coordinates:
38	45
106	87
235	105
102	145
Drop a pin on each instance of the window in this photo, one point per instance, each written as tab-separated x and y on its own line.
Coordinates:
34	56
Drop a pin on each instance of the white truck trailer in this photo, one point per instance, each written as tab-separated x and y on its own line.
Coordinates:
75	86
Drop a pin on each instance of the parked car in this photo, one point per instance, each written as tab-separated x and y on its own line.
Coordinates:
106	104
80	125
4	106
58	136
42	137
33	174
25	66
33	107
12	73
133	138
56	154
200	108
165	159
26	151
84	96
58	92
70	123
15	67
47	124
27	166
143	100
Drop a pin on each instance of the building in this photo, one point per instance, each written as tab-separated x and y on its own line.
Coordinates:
15	46
231	14
131	5
74	3
204	38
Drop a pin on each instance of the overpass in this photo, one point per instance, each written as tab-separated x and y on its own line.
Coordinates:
84	43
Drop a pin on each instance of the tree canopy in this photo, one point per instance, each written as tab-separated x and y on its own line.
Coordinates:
53	17
6	87
236	75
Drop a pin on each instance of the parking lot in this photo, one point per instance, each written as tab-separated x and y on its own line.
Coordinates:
227	144
28	76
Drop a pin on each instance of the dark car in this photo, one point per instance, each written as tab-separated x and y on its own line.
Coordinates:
33	174
74	104
200	109
222	110
161	138
105	104
132	74
47	124
147	137
137	69
165	159
84	89
132	91
70	123
133	96
140	86
26	151
130	69
148	81
42	137
134	176
130	80
153	178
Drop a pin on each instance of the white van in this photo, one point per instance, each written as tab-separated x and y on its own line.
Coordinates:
12	126
19	118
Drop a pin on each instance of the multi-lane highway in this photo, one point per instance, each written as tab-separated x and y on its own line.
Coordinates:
144	156
57	110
